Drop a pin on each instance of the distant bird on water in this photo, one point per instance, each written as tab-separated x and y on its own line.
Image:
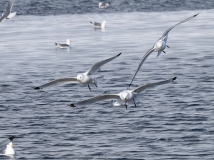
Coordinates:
104	4
83	78
7	14
6	147
99	25
126	95
159	45
64	46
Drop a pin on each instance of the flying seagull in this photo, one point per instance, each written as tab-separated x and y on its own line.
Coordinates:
7	14
6	147
159	45
83	78
126	95
64	46
99	25
104	4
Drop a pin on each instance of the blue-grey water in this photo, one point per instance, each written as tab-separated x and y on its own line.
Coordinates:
174	121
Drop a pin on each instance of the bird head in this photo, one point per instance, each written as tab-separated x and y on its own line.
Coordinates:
124	95
80	77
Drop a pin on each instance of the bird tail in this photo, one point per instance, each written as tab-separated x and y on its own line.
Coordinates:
159	52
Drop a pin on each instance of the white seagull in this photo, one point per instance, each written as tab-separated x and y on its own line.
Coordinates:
159	45
99	25
64	46
126	95
83	78
104	4
7	14
6	147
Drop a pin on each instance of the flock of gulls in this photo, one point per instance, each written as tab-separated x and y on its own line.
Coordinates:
127	95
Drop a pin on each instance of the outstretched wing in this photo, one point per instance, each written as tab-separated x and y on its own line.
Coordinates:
2	18
169	29
96	99
58	82
10	5
152	85
9	8
141	62
97	65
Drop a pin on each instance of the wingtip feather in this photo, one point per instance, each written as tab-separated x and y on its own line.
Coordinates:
37	88
72	105
196	15
119	54
173	79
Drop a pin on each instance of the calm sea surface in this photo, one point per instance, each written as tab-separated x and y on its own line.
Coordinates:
174	121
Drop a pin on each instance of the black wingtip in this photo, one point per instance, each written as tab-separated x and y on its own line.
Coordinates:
91	22
173	79
119	54
72	105
11	138
37	88
196	15
55	43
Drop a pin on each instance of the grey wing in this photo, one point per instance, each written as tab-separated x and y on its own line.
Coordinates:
10	5
3	145
64	45
141	62
9	8
58	82
152	85
2	149
97	24
169	29
96	99
2	18
97	65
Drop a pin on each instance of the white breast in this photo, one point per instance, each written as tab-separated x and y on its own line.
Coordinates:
9	150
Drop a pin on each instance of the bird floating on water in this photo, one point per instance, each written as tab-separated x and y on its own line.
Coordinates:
99	25
64	46
6	147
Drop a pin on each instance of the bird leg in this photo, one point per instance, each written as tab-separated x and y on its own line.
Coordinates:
134	103
95	84
125	105
164	52
167	46
89	87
